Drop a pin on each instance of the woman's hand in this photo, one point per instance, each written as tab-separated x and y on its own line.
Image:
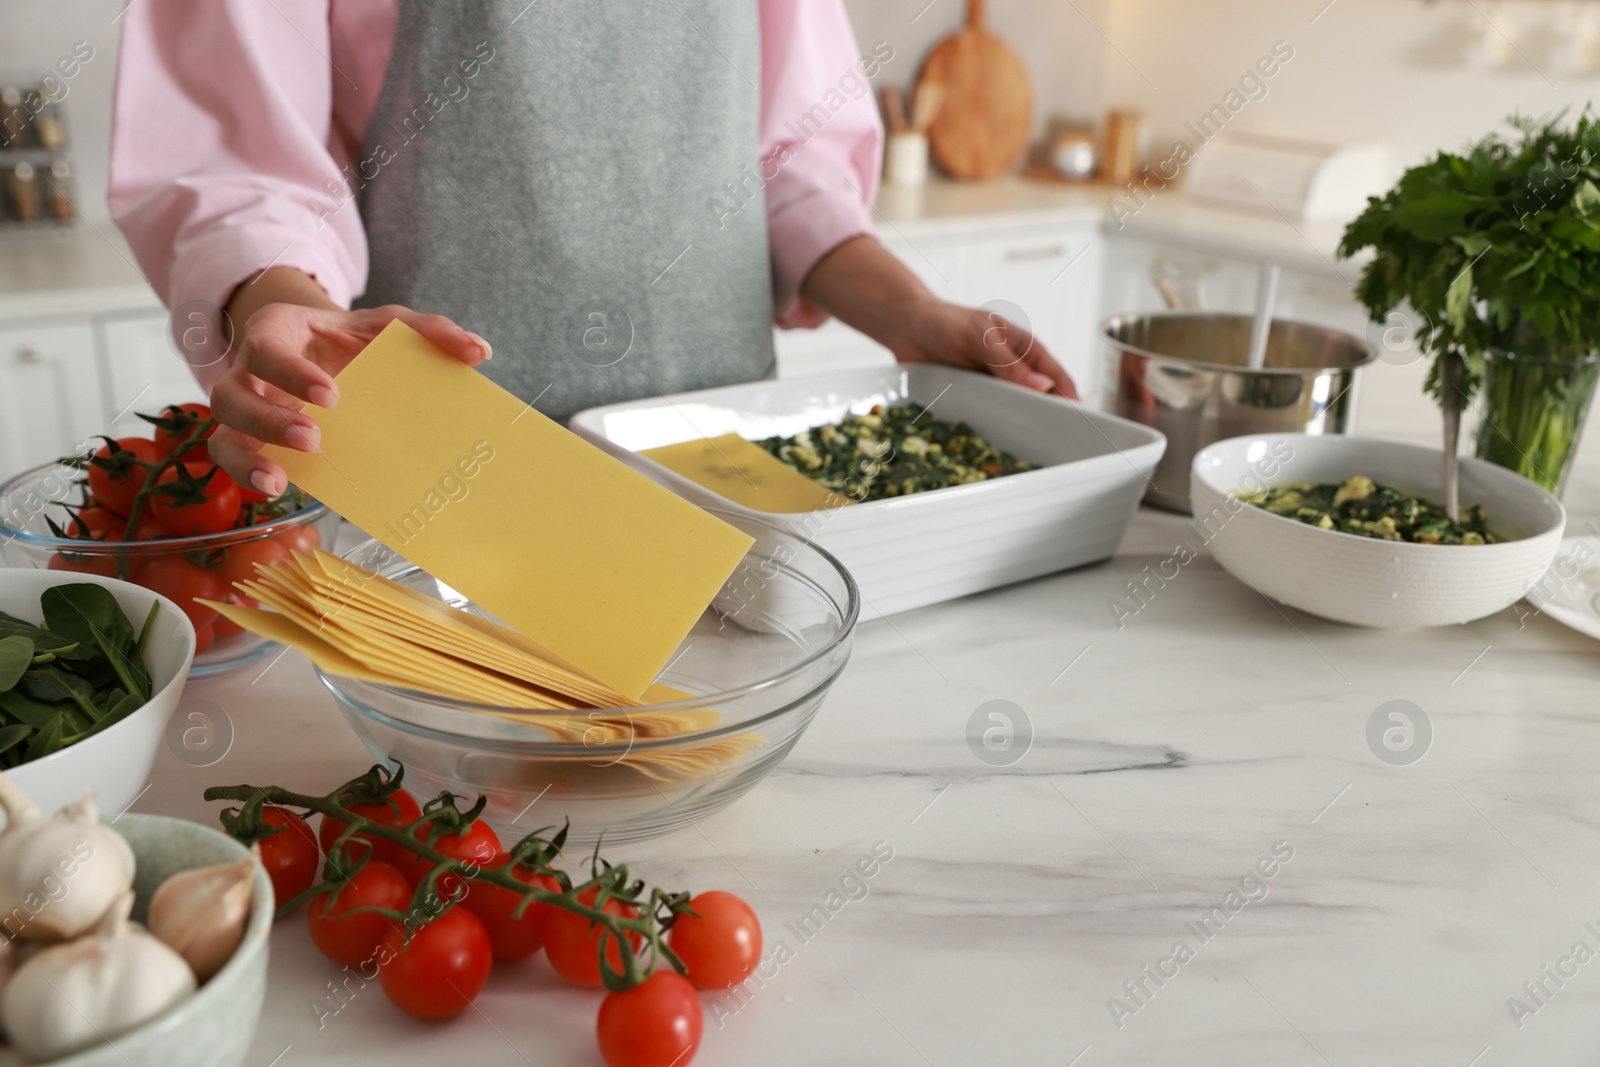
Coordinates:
935	331
865	286
285	356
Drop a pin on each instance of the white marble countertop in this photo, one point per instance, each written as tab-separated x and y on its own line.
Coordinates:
1168	758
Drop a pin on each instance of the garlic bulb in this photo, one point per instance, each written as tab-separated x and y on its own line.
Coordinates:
92	990
201	913
58	875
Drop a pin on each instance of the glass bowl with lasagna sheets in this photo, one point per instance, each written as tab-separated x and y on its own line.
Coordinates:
545	747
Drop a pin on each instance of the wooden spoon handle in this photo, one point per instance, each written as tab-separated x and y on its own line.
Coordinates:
974	14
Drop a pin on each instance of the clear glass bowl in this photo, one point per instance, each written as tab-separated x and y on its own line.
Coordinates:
758	663
26	541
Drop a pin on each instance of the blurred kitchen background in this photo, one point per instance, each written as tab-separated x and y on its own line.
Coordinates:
1387	81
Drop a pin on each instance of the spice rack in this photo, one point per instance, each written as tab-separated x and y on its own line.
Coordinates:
37	177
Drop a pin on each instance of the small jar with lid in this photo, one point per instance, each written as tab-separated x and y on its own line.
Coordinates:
15	122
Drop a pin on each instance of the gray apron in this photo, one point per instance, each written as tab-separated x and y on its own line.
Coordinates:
555	176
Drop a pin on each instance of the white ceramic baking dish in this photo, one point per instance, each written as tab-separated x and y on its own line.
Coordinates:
911	551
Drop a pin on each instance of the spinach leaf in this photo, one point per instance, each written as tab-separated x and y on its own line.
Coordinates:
48	740
53	686
13	735
90	615
28	711
16	656
116	711
43	640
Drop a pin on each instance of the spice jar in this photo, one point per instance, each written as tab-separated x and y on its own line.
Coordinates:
14	123
22	192
61	207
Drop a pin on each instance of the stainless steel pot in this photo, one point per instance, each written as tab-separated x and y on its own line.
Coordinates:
1184	374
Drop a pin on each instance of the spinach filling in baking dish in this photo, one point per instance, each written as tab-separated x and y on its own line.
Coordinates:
1360	506
890	452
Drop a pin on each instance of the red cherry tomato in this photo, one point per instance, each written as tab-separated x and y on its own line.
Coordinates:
83	564
353	939
301	538
92	524
404	813
654	1024
240	562
214	512
225	626
480	844
147	530
441	970
290	856
116	491
512	938
181	581
572	942
720	944
170	440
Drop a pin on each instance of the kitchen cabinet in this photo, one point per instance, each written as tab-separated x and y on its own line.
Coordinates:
64	381
1219	282
143	371
49	392
1045	276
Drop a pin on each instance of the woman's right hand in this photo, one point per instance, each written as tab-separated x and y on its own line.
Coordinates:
285	356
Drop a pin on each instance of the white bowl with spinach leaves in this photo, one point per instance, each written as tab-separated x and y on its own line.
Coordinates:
91	668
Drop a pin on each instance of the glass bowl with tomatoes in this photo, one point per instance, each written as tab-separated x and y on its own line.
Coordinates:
157	512
757	665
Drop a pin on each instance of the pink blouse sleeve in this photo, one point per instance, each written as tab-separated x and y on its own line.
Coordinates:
227	150
821	142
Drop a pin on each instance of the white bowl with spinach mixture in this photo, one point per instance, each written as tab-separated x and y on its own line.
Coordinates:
1352	529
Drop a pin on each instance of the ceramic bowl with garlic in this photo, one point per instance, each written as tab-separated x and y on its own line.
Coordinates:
143	943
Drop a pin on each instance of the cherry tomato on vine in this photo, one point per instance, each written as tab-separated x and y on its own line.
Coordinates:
353	939
441	970
405	812
480	845
147	530
225	626
83	564
181	582
301	538
655	1024
240	564
572	942
169	440
117	490
290	856
512	938
720	944
92	524
214	509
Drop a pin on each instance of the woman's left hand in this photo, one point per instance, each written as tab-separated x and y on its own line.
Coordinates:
935	331
866	286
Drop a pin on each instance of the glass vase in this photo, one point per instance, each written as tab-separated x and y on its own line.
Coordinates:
1533	409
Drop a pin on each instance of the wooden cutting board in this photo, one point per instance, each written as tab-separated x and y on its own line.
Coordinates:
982	129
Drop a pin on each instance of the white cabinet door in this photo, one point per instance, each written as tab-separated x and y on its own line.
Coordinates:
1052	276
50	401
143	371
